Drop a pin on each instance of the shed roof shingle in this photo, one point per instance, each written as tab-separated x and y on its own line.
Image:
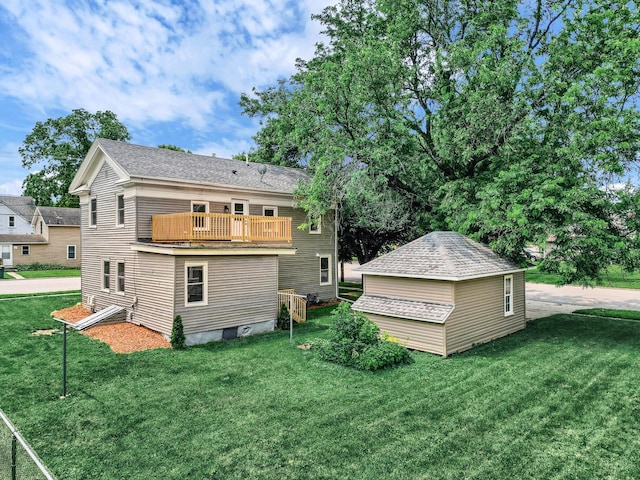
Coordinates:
440	256
163	164
403	308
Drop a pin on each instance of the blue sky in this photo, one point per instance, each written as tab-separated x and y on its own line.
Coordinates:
172	71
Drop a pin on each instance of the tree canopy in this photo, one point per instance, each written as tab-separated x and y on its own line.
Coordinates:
508	121
56	148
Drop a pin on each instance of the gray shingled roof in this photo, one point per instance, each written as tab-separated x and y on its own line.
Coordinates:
23	206
440	256
160	163
402	308
53	216
22	239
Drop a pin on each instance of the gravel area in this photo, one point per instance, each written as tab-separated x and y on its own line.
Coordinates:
121	337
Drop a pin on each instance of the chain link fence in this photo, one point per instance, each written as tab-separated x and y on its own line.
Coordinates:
17	460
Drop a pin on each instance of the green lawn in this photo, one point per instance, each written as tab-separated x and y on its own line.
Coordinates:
615	278
608	312
350	290
70	272
557	400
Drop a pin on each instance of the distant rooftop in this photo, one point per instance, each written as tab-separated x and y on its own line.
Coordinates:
440	256
163	164
62	216
23	206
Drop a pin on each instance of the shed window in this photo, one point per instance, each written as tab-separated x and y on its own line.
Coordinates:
120	209
12	221
508	295
325	270
195	284
106	274
26	250
120	277
93	212
71	252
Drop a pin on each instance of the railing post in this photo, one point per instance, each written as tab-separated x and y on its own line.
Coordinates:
14	455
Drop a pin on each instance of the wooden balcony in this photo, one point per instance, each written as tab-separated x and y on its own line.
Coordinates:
211	227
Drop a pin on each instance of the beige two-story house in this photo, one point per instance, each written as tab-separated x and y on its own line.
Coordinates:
168	233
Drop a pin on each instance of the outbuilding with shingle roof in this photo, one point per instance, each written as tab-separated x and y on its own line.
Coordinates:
443	293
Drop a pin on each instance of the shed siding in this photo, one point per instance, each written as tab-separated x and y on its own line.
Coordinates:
107	241
411	288
302	270
423	336
479	313
155	290
54	252
242	290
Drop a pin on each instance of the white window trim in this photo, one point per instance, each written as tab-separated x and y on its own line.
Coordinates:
28	247
75	252
508	312
318	224
118	291
205	225
267	207
11	217
119	225
93	225
330	276
108	289
205	286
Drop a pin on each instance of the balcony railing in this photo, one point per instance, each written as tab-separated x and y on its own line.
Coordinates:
203	227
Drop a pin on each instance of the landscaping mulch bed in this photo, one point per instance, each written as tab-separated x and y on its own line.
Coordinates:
121	337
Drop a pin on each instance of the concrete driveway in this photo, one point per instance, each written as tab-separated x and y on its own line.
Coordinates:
544	300
39	285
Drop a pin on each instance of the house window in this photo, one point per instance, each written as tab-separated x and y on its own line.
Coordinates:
325	270
93	212
195	284
26	249
120	277
40	227
270	211
315	227
12	221
71	252
120	209
106	274
200	222
508	295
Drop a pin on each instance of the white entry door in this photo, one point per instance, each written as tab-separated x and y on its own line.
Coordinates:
5	251
240	226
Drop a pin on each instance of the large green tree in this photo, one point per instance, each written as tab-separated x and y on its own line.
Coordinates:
56	148
505	120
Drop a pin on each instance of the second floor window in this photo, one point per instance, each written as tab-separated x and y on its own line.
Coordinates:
12	221
93	212
120	209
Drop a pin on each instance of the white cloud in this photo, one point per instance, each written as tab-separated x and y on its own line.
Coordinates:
154	60
13	187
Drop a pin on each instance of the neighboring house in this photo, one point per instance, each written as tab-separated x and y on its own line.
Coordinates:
58	231
443	293
16	214
168	233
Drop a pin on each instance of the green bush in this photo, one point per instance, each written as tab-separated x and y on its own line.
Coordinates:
283	317
178	340
354	341
26	267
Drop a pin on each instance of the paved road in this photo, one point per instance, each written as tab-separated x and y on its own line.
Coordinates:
39	285
544	300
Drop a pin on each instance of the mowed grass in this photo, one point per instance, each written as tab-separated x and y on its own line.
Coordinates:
611	313
615	278
69	272
557	400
